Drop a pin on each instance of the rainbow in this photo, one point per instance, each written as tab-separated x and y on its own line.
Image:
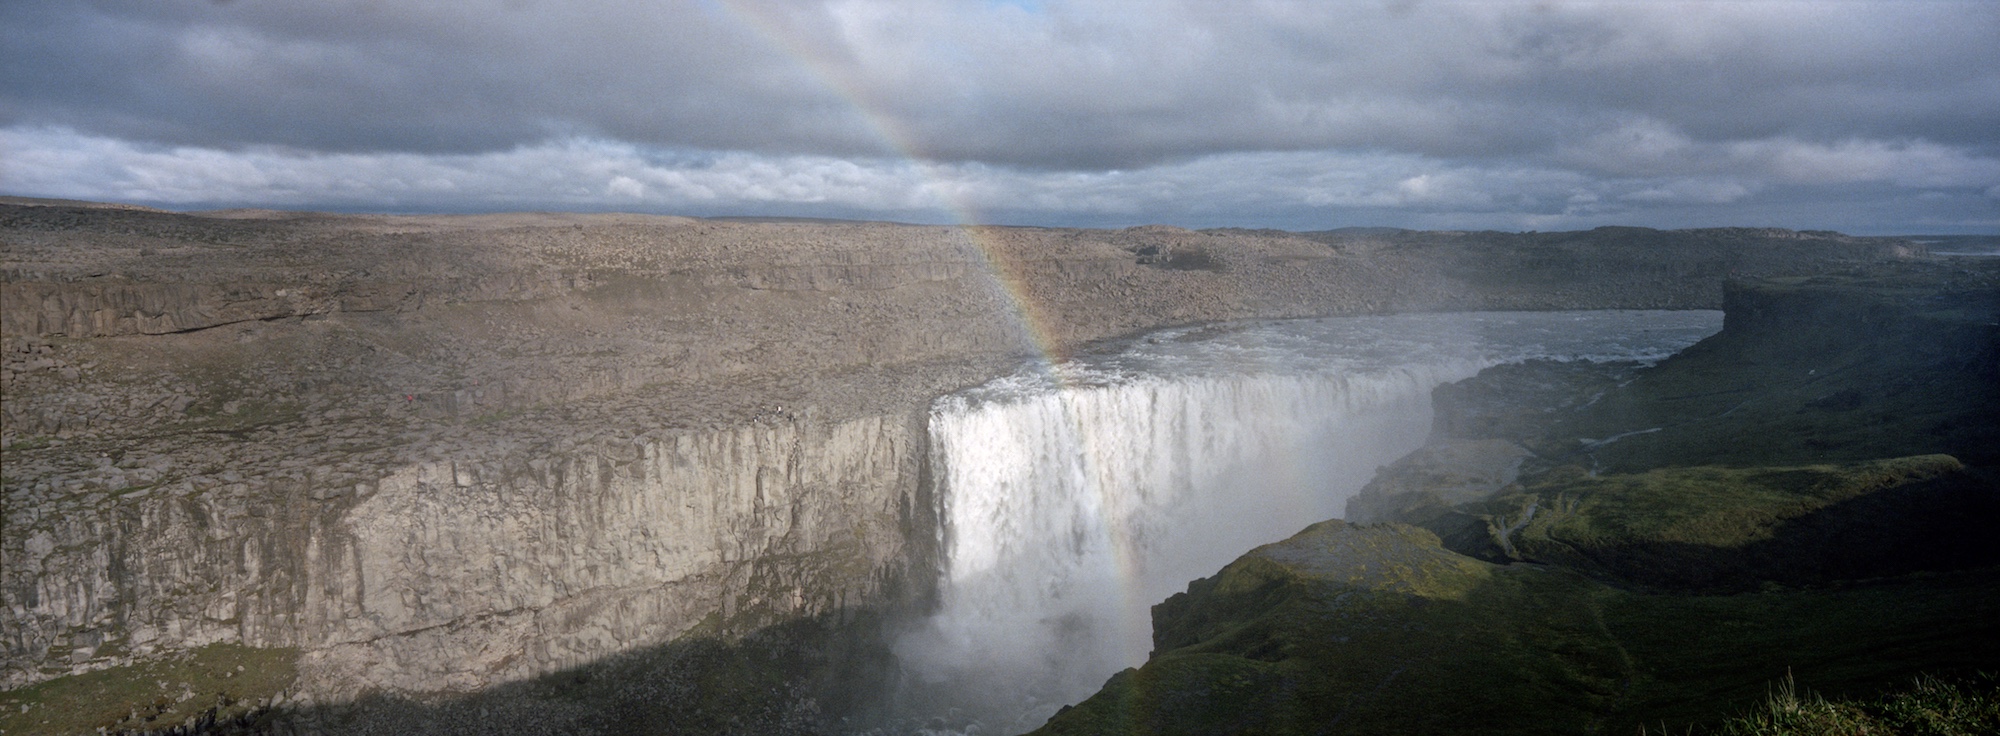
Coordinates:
765	24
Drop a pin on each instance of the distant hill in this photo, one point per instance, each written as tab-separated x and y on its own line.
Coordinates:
44	202
1954	245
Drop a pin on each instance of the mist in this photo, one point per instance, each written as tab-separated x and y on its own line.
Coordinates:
1077	497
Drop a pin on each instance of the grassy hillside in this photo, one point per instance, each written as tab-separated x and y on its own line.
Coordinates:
1805	498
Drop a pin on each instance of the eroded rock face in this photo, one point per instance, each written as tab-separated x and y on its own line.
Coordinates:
437	453
491	565
467	575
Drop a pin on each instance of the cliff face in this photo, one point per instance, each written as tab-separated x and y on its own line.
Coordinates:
502	572
481	566
436	453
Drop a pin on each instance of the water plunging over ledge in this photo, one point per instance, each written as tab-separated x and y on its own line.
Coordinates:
1076	496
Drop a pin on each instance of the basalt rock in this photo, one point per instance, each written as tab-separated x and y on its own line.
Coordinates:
427	455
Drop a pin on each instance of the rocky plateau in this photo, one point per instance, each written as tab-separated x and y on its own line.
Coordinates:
364	457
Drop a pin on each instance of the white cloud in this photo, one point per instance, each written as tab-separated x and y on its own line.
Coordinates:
573	173
1646	147
1913	164
625	187
1297	188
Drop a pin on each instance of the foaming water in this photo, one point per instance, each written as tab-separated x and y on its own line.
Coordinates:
1077	496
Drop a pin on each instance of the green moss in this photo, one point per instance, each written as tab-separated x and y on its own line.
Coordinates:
1723	507
1810	394
227	679
29	443
1734	528
1271	647
1188	694
1424	639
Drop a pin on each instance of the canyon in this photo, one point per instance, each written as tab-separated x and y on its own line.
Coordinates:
1798	506
410	467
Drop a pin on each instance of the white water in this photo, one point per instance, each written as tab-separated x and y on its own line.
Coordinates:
1077	496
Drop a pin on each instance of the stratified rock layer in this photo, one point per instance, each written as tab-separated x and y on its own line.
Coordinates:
438	453
492	562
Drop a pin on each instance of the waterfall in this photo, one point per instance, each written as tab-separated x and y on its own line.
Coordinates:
1072	504
1070	513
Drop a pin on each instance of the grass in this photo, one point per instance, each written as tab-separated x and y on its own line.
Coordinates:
1423	645
1700	658
1928	706
1422	642
227	679
1743	525
1730	529
1794	394
1723	507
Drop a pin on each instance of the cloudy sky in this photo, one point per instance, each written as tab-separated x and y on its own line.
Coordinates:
1867	117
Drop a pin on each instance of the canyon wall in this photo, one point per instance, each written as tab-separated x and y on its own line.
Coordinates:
487	564
438	453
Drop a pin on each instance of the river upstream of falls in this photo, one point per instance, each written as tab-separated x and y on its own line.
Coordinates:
1076	496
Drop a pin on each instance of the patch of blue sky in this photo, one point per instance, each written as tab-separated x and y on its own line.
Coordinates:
1035	7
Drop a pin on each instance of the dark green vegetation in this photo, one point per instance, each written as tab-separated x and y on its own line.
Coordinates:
219	683
1808	370
1387	632
1928	706
1720	529
1810	493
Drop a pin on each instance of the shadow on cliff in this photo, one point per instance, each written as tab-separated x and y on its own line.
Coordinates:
826	674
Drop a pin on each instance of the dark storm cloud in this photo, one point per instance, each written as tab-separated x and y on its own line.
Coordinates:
426	77
1084	87
1489	110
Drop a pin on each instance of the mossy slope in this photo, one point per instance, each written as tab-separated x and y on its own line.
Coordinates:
1409	638
216	683
1720	529
1812	370
1774	500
